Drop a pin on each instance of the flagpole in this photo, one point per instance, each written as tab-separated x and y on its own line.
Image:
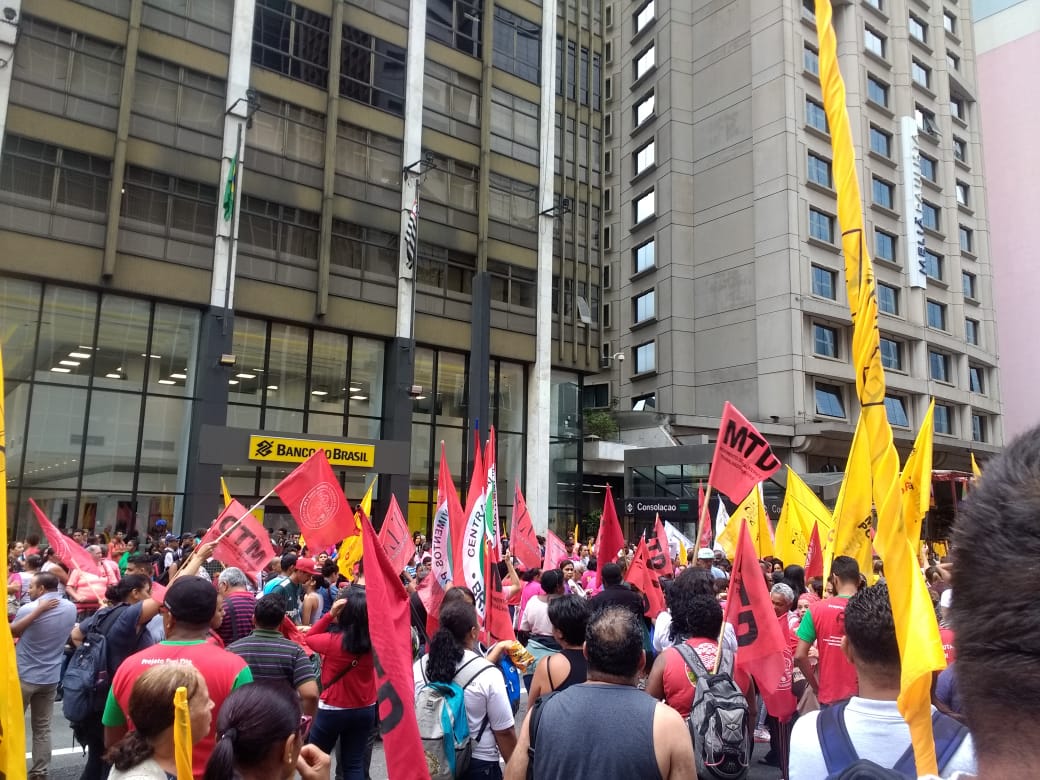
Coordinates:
703	516
238	522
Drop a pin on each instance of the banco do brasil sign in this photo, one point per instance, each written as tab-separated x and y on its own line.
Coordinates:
273	449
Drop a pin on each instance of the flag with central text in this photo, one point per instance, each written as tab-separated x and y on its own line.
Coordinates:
469	565
248	546
313	496
660	550
742	458
391	648
494	530
853	511
917	479
441	547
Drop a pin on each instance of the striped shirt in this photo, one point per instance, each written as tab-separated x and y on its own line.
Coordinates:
273	658
239	606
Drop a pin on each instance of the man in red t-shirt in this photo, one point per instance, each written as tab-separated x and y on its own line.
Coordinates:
189	609
824	624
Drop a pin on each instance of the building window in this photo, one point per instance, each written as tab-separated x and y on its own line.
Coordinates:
363	251
513	202
824	282
644	109
811	60
895	408
880	142
517	45
960	149
821	226
177	208
819	170
643	207
978	427
971	331
644	403
953	61
891	354
929	215
643	256
888	299
645	61
926	121
958	108
829	400
29	169
921	74
809	9
932	264
372	71
950	22
877	91
644	158
643	307
815	116
938	366
928	168
644	16
874	4
975	379
883	192
292	40
918	29
963	194
884	245
935	315
969	285
825	341
874	42
455	23
514	123
966	236
941	418
644	357
595	396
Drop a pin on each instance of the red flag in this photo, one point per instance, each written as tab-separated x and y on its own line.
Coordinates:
248	546
469	555
645	578
743	457
448	515
314	498
760	642
394	536
609	540
814	555
705	539
391	647
522	539
66	550
555	551
497	625
431	595
494	529
660	559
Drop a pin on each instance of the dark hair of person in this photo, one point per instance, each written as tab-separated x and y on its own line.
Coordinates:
551	581
529	575
614	643
288	561
459	593
592	564
845	569
694	607
46	581
776	578
269	611
611	574
253	721
879	567
694	579
33	562
816	586
794	578
330	570
570	615
870	628
457	619
353	622
151	710
117	594
139	559
32	540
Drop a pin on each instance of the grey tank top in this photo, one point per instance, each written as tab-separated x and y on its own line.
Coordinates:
596	730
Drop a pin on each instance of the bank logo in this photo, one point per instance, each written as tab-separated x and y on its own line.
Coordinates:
264	448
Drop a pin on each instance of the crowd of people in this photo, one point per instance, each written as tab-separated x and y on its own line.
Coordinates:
280	673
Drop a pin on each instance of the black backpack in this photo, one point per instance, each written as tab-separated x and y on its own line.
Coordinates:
87	678
843	763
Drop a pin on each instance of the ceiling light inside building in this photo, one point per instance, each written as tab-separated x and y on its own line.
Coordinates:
72	363
178	376
232	381
246	376
60	370
272	388
113	375
319	393
167	382
359	398
80	355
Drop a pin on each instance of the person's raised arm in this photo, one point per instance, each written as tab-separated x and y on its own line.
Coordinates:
194	562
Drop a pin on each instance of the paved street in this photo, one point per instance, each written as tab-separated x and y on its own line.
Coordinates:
68	759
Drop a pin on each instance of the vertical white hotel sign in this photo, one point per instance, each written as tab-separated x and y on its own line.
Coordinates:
913	236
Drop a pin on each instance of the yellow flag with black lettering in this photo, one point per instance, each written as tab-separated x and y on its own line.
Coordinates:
794	527
917	479
352	550
12	718
182	734
752	510
853	511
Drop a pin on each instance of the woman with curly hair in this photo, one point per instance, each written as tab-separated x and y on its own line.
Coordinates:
147	752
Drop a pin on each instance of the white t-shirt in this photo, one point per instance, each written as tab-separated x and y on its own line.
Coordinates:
536	617
485	696
146	770
878	732
664	623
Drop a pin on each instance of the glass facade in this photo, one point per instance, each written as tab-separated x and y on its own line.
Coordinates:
98	405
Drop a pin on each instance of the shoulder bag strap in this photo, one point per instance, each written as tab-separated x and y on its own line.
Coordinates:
689	655
343	673
837	747
532	730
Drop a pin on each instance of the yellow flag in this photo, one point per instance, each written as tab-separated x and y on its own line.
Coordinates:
974	465
577	540
226	492
751	509
684	558
763	532
794	528
12	718
182	734
918	634
351	550
917	479
853	517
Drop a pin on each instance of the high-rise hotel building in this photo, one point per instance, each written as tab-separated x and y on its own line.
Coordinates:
166	321
726	279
